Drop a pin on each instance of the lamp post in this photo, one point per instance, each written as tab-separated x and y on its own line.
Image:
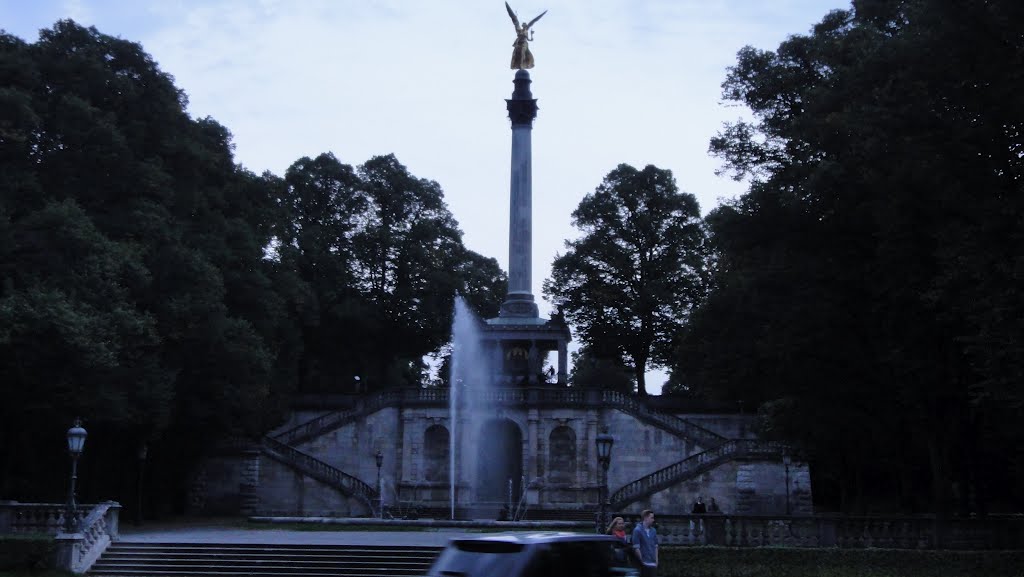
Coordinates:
76	443
604	457
380	494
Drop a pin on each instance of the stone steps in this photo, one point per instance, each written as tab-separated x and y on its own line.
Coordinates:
200	559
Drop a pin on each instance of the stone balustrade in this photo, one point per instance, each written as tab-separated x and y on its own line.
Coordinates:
841	531
76	552
96	526
47	518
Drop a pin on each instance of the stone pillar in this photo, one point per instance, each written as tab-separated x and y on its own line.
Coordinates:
67	552
532	417
250	482
592	469
800	490
497	359
563	363
522	109
533	365
407	470
746	489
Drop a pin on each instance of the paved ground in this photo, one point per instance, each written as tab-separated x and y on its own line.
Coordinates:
234	531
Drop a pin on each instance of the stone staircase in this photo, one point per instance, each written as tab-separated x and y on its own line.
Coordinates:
692	466
126	559
321	471
336	419
281	445
679	427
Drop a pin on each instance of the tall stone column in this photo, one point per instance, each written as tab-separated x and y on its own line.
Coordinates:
522	109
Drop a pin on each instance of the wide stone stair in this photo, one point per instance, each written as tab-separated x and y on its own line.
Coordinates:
125	559
319	470
677	426
693	466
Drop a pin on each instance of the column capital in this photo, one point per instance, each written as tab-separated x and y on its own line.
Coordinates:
522	107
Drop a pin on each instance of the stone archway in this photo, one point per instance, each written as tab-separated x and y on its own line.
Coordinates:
500	460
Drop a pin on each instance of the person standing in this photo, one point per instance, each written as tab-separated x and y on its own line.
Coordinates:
713	507
645	544
698	507
617	528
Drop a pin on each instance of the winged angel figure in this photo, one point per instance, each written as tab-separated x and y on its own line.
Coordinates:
521	56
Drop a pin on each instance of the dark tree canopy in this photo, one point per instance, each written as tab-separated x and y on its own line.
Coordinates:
629	283
171	298
866	284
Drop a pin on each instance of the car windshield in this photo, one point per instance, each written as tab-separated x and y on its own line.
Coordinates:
476	558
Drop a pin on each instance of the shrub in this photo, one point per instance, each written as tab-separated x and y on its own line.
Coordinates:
30	552
789	562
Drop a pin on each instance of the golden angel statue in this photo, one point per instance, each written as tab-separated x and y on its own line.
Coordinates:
521	56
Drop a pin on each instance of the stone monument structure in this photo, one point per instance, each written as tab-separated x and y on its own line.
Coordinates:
518	338
393	449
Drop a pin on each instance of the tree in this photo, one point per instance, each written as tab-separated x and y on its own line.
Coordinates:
133	288
629	283
863	280
321	210
589	371
408	254
484	284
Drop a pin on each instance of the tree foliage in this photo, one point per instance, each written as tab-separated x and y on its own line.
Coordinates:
865	286
170	297
628	283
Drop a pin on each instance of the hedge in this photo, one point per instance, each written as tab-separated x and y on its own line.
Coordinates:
791	562
27	552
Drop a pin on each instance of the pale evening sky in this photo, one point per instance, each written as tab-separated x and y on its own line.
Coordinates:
617	81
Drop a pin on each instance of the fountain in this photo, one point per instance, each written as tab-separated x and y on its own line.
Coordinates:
471	379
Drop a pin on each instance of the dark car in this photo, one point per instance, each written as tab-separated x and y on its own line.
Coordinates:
545	554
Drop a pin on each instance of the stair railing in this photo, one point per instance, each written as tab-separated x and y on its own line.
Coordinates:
692	466
336	419
674	424
321	471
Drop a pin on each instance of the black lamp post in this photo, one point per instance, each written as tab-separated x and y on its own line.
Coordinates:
380	494
76	444
604	457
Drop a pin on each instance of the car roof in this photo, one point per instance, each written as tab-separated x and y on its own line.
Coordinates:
539	537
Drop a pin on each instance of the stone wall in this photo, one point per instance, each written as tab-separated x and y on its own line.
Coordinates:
284	491
555	477
729	426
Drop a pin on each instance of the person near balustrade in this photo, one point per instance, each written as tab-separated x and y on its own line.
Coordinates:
713	506
699	508
645	544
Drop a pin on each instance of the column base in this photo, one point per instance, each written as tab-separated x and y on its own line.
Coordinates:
519	305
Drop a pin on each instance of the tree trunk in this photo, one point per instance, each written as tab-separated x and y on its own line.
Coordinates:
640	370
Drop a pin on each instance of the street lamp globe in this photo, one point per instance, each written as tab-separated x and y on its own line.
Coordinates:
76	438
